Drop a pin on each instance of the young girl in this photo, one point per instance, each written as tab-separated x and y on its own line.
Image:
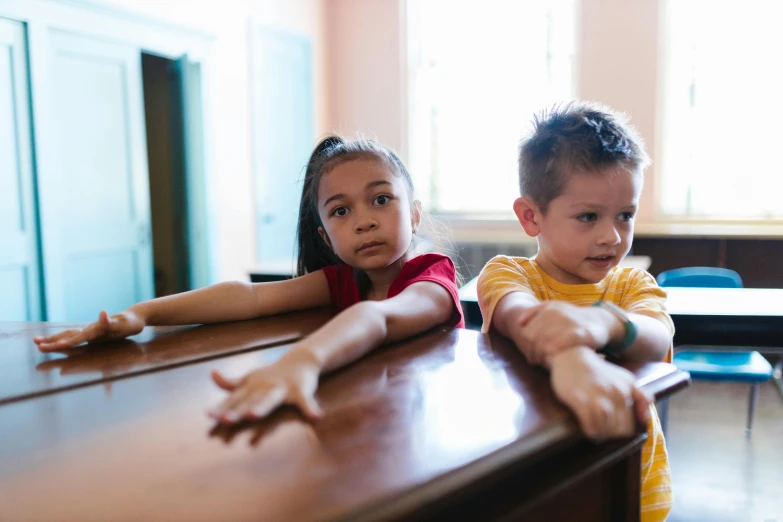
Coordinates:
358	221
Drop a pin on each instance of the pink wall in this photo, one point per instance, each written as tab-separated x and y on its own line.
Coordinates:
618	56
618	65
365	63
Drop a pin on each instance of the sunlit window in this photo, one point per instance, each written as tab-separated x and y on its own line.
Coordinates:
722	115
478	70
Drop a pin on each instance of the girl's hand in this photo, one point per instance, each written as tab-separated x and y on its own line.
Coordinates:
553	326
291	380
603	396
118	326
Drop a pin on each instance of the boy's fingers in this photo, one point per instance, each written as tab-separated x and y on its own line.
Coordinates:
641	402
528	314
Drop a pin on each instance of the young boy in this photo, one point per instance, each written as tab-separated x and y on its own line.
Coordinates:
580	176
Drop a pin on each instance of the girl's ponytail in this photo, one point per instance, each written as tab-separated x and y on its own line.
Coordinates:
314	254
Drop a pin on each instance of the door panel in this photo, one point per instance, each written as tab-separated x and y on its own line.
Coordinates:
96	231
20	294
283	138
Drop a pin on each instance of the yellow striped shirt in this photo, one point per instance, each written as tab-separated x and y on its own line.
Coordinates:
632	289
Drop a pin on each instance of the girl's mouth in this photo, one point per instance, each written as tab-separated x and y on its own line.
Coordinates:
368	247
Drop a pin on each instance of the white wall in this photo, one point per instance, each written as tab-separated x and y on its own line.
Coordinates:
227	99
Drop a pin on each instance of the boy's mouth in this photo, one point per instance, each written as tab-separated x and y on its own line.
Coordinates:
601	261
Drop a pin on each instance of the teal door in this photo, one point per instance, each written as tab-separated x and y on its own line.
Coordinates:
188	170
94	195
20	294
283	138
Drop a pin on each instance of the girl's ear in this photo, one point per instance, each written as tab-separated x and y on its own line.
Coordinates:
529	215
416	215
325	237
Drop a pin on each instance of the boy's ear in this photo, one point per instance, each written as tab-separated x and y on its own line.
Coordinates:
528	215
416	216
325	237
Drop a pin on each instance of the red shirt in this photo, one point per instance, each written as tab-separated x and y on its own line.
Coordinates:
436	268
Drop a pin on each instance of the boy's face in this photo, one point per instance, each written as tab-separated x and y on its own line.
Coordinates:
588	229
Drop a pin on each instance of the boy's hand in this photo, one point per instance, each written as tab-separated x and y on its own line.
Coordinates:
554	326
118	326
291	380
603	396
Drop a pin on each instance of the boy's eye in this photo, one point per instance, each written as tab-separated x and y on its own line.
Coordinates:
340	211
626	216
587	217
381	200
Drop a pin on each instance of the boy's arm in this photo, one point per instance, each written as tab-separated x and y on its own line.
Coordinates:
360	328
554	326
603	396
653	339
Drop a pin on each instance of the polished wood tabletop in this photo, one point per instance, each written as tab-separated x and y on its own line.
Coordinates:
407	425
26	372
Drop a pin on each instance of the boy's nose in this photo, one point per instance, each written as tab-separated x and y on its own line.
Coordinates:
610	236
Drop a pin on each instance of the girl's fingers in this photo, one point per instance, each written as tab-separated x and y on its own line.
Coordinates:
224	382
309	406
62	343
224	412
53	338
267	402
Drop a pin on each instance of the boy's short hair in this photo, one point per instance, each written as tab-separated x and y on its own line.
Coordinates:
582	136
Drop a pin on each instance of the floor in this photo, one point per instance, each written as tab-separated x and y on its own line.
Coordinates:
718	474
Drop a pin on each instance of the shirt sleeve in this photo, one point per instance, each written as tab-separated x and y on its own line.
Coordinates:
435	268
645	297
501	276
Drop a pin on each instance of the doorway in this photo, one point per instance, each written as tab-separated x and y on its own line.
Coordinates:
172	120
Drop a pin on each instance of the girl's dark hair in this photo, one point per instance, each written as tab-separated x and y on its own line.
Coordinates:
332	151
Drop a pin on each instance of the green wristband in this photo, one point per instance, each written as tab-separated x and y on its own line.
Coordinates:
617	348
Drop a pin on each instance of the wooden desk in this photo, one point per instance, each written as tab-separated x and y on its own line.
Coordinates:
26	372
450	423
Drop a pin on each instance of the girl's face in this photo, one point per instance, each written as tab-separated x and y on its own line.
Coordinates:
368	218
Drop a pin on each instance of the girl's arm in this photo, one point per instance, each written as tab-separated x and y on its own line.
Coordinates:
293	379
229	301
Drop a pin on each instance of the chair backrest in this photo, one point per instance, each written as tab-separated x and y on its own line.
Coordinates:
701	277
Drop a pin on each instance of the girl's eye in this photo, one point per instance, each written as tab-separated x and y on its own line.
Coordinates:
587	217
381	200
626	217
340	211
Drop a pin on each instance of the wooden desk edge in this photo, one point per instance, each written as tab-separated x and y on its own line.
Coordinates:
565	433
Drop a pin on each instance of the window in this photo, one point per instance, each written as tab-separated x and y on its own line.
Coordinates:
722	116
478	71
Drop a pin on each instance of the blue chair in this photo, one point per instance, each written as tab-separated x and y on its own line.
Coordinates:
747	367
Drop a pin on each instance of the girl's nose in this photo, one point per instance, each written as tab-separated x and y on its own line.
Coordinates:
365	224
